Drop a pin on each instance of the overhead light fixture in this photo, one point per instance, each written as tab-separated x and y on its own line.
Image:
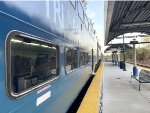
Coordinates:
34	44
53	47
15	40
45	46
134	41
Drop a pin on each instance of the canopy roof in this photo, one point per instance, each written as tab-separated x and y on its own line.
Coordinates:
126	17
115	47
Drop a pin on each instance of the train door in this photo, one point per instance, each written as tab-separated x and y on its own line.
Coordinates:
92	60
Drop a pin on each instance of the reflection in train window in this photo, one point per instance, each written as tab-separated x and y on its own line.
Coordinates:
84	58
71	59
32	63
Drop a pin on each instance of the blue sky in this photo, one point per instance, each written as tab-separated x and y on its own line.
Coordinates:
95	10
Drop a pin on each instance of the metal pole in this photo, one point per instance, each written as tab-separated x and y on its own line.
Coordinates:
118	58
118	55
92	61
134	54
112	57
135	69
123	49
124	64
97	52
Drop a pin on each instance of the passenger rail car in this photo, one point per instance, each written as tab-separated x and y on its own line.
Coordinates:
45	52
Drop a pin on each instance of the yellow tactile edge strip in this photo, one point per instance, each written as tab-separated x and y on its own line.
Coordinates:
90	102
148	69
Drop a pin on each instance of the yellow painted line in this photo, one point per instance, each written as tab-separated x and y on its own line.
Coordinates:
148	69
90	102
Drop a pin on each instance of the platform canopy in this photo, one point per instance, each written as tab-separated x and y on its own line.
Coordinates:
126	17
116	47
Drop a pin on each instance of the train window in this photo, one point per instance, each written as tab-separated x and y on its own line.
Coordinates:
32	63
71	59
86	58
75	60
82	58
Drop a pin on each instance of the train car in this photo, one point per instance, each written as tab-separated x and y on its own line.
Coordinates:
45	51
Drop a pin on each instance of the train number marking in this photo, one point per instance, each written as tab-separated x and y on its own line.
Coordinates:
43	98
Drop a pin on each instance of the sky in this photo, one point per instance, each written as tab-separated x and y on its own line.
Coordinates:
95	10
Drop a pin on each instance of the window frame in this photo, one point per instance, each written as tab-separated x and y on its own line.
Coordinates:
65	51
80	57
84	53
9	90
87	58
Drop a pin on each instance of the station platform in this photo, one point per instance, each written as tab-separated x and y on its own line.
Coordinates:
91	102
121	96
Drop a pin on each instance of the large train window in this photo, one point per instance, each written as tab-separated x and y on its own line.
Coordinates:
71	59
84	58
31	63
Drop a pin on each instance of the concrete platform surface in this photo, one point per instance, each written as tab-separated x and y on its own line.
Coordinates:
121	96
